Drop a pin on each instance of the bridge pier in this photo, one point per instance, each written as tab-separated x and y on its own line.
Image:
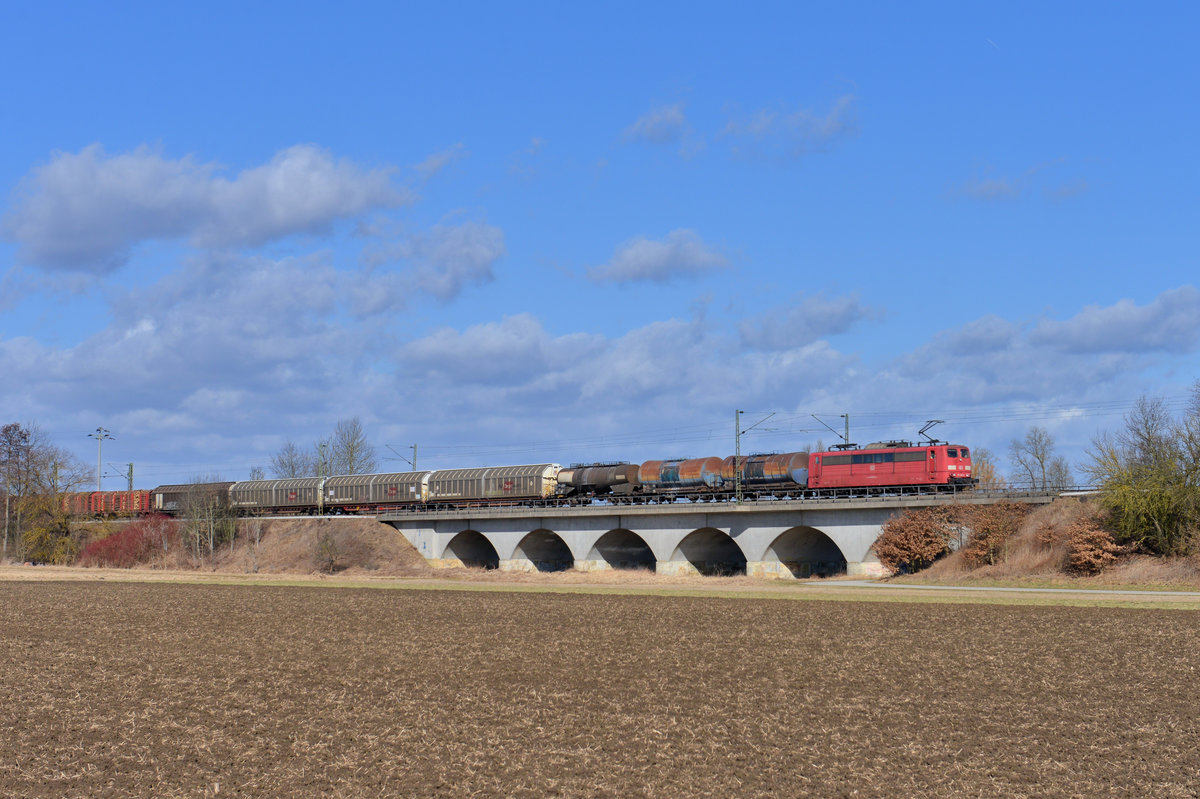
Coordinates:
775	569
866	569
675	568
798	570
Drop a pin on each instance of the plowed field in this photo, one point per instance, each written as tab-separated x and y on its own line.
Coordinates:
192	690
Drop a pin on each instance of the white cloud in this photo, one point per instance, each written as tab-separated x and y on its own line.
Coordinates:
232	351
663	125
681	254
1170	323
440	160
804	322
224	349
992	188
441	262
85	211
512	351
791	134
516	377
1098	351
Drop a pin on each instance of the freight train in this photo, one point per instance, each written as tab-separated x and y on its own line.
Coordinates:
891	467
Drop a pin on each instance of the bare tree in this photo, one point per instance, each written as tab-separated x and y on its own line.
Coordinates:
256	533
291	461
15	457
33	473
983	468
257	473
209	520
345	451
350	452
1058	474
1150	476
1031	458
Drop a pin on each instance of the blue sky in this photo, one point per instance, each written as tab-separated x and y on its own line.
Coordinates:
536	233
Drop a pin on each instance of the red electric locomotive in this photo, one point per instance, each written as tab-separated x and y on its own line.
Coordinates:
891	463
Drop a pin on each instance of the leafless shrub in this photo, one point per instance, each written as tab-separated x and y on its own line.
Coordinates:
325	554
913	540
1092	549
991	528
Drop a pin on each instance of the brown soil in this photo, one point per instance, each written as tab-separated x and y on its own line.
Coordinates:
148	689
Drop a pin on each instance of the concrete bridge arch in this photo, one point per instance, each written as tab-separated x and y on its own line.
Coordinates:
707	550
800	551
544	550
468	548
619	548
778	538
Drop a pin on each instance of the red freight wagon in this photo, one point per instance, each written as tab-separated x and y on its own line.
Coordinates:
128	503
107	503
886	465
76	503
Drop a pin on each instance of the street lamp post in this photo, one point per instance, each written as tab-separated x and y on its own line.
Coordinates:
99	435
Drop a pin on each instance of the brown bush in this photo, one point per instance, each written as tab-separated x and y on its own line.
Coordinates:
991	528
1092	548
913	540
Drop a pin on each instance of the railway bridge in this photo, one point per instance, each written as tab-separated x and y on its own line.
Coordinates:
768	538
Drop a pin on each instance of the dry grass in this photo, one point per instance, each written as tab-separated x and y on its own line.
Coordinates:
360	546
1147	570
1037	555
1032	552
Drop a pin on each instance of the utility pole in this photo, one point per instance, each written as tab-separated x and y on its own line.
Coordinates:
737	457
412	463
99	435
737	450
131	478
845	438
